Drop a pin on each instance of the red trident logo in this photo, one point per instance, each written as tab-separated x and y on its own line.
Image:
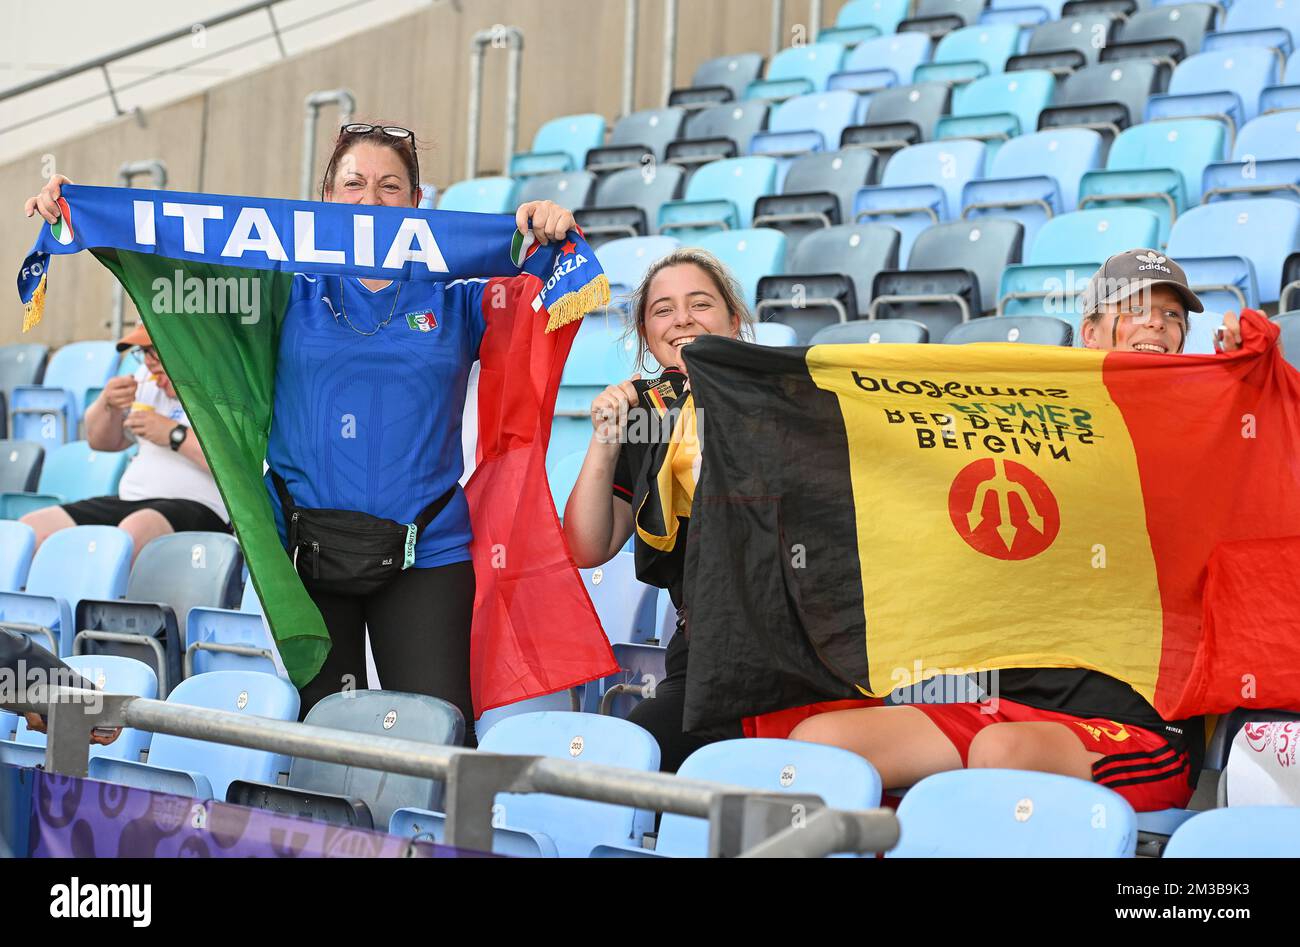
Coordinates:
1003	509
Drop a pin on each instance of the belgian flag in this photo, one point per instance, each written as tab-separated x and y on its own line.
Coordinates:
868	516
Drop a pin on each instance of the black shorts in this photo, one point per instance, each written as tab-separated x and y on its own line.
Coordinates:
184	515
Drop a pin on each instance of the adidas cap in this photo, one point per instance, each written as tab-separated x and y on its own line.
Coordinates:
1134	271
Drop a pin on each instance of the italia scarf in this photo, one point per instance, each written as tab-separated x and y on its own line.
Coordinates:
534	629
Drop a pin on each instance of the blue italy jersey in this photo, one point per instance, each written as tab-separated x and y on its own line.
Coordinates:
373	423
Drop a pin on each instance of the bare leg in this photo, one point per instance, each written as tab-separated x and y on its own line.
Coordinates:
902	743
47	521
1043	747
145	525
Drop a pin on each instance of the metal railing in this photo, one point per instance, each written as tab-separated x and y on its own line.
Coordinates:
512	38
742	822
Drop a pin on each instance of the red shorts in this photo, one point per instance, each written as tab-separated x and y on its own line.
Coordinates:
1138	764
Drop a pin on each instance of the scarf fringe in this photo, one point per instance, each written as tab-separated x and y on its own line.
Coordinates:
573	306
34	309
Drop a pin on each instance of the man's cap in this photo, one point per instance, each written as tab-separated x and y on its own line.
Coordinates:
137	336
1135	271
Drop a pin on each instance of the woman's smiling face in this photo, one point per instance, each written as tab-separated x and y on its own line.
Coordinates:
684	303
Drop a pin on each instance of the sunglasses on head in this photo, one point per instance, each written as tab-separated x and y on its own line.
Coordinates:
362	129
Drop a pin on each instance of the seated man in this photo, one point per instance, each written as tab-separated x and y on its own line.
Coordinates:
1058	720
168	487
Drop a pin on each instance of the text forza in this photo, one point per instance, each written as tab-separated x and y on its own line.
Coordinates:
253	232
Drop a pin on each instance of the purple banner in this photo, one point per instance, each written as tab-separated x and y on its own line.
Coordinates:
84	818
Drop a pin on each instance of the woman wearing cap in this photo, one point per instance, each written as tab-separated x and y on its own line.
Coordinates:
369	391
167	488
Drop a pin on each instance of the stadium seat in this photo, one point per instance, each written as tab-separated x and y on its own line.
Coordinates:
354	795
1108	97
1062	46
872	331
1289	322
625	261
566	188
171	575
623	603
1265	160
969	53
807	303
1290	283
882	62
1234	250
858	250
201	769
223	639
937	18
71	472
1158	166
22	364
1066	252
806	123
73	564
49	413
843	780
721	131
480	196
1000	813
1223	85
603	354
952	274
719	196
111	675
1239	832
818	192
1024	17
921	185
884	15
562	474
998	107
560	145
1274	25
1034	177
627	202
17	544
774	335
1174	30
798	70
750	255
896	118
634	137
1034	330
718	80
20	466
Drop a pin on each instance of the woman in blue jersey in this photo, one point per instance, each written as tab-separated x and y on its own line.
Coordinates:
369	390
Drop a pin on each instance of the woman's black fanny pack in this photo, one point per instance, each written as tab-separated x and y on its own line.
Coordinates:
349	553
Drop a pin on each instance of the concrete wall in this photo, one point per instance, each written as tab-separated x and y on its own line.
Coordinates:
244	136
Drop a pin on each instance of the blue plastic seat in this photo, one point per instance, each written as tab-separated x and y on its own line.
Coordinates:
647	132
202	769
937	17
1239	832
625	261
774	334
884	15
1274	25
883	62
17	545
818	192
20	364
733	73
425	825
560	145
842	779
562	474
1034	330
77	563
566	188
1158	166
20	466
627	202
1034	177
798	70
1265	160
71	472
749	254
922	185
969	53
1066	252
1069	42
1250	239
1223	84
603	354
1106	96
805	123
480	196
1184	23
720	196
208	631
49	413
1000	813
1290	325
998	106
872	331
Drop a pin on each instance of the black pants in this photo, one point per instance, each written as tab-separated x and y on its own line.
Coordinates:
419	632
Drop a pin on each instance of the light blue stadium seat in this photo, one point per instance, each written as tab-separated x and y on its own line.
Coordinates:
805	123
20	466
842	779
1000	813
774	334
71	472
883	62
1025	17
560	145
720	196
49	413
969	53
603	354
1159	166
1273	24
112	675
999	106
1066	252
424	825
750	255
1289	322
77	563
201	769
1224	85
208	631
562	475
1034	177
17	544
922	185
884	15
1255	234
625	261
1033	330
1265	160
798	71
872	331
1239	832
480	196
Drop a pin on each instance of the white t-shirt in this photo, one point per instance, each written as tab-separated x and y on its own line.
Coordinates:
157	473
